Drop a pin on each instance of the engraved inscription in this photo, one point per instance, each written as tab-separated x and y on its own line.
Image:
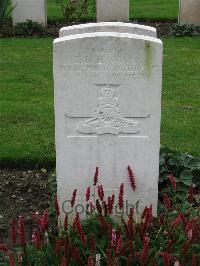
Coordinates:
108	119
110	64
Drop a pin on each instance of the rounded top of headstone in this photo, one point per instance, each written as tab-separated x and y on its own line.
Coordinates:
108	27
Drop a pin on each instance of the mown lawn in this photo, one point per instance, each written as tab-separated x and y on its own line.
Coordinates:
139	9
26	98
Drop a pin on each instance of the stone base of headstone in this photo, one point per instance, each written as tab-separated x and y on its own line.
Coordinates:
189	12
112	10
35	10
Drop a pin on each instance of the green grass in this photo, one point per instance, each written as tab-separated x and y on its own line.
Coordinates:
26	98
139	9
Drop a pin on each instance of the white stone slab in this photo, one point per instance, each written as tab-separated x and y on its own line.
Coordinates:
189	12
112	10
108	27
35	10
107	114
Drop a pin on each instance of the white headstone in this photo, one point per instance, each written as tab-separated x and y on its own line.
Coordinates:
189	12
112	10
108	27
35	10
107	114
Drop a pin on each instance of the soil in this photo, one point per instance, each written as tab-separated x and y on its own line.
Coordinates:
53	27
22	192
163	28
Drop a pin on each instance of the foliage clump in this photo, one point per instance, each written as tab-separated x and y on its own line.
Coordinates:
134	238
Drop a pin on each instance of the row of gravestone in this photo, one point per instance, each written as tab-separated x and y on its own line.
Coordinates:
107	10
107	89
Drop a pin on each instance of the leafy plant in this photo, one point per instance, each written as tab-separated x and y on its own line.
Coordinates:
71	8
28	28
4	10
185	30
170	239
184	167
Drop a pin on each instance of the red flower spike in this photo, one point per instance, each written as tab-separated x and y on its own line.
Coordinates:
172	180
87	194
191	194
4	248
78	227
63	261
56	206
73	199
100	192
169	246
105	207
118	246
176	221
11	260
131	178
90	261
194	260
166	201
92	244
98	207
21	231
109	259
144	254
66	222
95	180
36	238
121	196
14	231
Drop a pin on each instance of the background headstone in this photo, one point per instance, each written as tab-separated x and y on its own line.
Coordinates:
35	10
107	114
189	12
108	27
112	10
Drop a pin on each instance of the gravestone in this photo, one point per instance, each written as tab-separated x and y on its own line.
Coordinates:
112	10
108	27
35	10
107	89
189	12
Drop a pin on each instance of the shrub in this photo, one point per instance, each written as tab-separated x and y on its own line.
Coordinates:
72	8
28	28
185	30
169	239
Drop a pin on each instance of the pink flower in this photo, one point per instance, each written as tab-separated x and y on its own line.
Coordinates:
172	180
73	199
131	178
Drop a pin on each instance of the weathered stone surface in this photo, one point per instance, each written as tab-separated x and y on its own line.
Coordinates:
34	10
189	12
108	27
107	114
112	10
